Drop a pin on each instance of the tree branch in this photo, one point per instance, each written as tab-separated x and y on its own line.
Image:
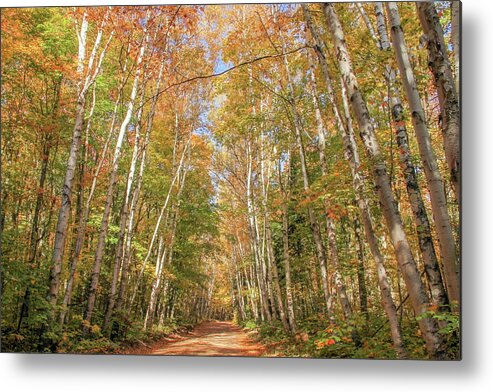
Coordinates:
212	75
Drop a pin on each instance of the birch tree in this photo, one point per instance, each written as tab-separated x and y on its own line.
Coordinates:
86	77
103	231
430	165
399	239
441	67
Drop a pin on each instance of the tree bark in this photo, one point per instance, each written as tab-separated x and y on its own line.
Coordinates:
384	42
352	156
422	224
168	251
160	217
254	240
367	21
66	203
272	264
329	222
285	244
136	193
360	253
83	85
444	81
403	252
359	183
81	229
103	232
455	40
430	165
314	225
124	215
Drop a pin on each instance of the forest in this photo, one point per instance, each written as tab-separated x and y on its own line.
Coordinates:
289	172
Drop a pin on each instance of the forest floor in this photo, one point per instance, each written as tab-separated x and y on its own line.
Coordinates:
210	338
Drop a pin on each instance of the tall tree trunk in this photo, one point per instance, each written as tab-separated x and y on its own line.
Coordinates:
136	192
455	40
79	211
421	221
161	214
83	85
272	264
81	229
124	214
383	41
103	231
359	183
430	166
321	253
275	279
168	251
265	176
285	243
361	273
403	252
314	225
237	286
367	21
445	83
329	222
161	260
64	213
34	237
254	239
352	156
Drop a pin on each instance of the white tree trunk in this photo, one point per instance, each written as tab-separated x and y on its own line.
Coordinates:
84	82
430	165
444	81
417	294
103	231
423	229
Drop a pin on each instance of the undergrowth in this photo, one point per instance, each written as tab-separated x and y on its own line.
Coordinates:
358	338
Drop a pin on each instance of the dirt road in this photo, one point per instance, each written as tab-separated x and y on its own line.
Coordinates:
211	338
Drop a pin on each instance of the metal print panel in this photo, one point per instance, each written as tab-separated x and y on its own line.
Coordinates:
277	180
